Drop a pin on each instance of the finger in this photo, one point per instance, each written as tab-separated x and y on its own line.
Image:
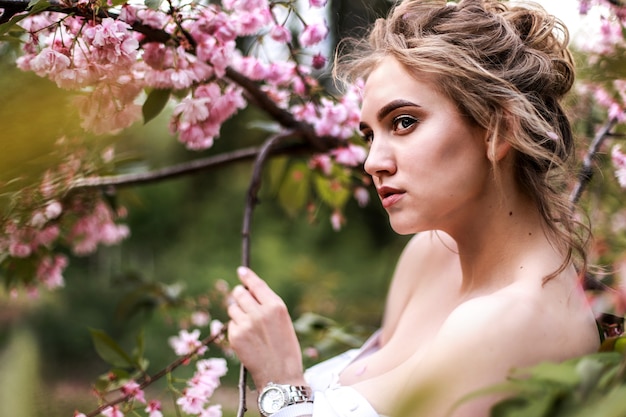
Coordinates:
244	299
235	313
256	286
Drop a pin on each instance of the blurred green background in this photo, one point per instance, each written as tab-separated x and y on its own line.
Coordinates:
185	236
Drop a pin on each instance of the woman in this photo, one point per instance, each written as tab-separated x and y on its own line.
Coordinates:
468	147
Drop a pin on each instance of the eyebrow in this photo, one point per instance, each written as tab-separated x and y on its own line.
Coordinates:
388	108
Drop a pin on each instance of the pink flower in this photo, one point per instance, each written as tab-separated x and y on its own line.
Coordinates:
112	412
186	343
95	228
351	155
317	3
134	390
49	61
280	34
212	411
53	210
20	250
50	271
362	196
313	34
192	402
200	318
216	327
77	414
319	61
337	220
619	162
252	68
322	162
154	409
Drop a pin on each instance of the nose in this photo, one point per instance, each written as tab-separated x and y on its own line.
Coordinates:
380	160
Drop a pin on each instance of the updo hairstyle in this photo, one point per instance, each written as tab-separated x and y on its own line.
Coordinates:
506	67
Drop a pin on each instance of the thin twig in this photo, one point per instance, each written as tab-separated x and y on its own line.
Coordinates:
586	171
251	202
183	168
165	371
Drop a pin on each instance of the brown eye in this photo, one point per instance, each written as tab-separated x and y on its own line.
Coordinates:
368	137
403	123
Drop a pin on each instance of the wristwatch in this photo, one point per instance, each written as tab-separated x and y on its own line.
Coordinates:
276	396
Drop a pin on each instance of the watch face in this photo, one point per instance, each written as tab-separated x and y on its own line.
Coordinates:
272	400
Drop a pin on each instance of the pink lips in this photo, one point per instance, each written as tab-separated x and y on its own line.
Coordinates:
389	195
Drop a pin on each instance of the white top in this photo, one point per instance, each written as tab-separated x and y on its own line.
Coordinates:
330	398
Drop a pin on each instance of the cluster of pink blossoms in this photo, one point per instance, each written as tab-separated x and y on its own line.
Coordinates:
619	162
200	388
112	64
605	38
80	221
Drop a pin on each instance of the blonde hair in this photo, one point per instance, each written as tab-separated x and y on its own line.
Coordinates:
506	67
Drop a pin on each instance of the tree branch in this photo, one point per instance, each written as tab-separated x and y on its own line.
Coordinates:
586	171
168	369
184	168
251	202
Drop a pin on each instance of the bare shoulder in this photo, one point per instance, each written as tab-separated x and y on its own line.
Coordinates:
525	325
485	338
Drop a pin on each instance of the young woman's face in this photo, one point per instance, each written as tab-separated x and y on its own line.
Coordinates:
428	162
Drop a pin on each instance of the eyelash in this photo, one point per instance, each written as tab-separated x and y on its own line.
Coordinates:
368	137
402	118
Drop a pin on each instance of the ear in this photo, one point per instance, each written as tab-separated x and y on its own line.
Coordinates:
497	147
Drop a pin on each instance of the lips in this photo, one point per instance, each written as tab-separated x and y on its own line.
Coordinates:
389	195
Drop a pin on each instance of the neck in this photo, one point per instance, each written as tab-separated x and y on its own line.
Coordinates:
495	253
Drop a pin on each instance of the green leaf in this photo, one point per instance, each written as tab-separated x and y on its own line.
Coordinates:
294	190
140	348
109	350
331	191
276	169
155	103
35	6
612	404
560	373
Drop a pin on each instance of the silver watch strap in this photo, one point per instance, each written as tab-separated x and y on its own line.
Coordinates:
299	394
304	409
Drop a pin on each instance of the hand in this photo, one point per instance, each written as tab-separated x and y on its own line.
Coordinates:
261	333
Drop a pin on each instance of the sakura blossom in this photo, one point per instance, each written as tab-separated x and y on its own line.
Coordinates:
96	227
201	387
154	409
619	162
187	342
50	270
113	411
313	34
133	389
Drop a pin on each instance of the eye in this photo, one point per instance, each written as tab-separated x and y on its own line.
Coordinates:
401	124
367	136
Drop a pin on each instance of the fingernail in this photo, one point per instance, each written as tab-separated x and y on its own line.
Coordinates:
242	270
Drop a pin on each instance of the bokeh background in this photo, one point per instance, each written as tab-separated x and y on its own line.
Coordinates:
186	239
